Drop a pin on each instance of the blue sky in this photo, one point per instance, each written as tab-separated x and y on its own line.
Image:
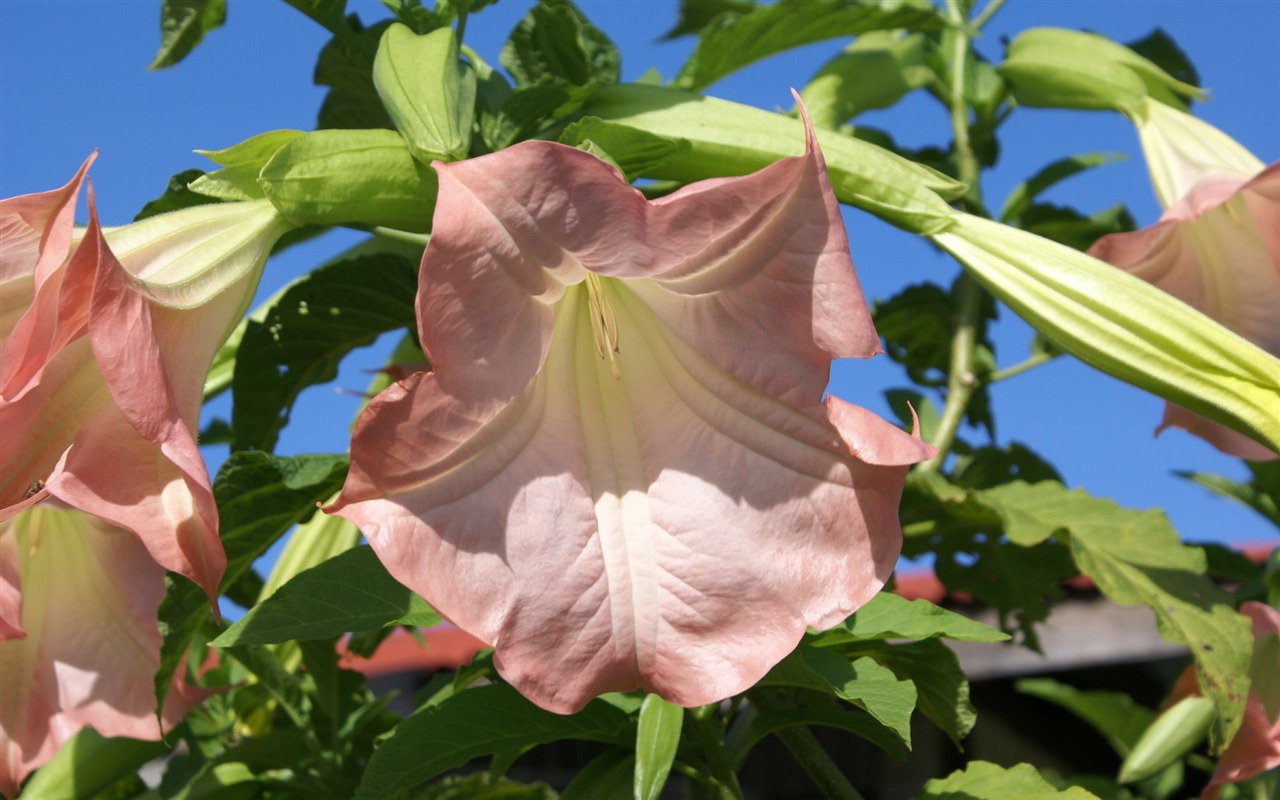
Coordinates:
73	78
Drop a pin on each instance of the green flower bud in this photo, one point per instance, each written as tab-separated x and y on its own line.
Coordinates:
428	92
360	177
1059	68
728	138
1123	325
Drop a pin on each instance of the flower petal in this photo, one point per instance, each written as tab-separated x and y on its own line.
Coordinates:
92	641
670	513
36	233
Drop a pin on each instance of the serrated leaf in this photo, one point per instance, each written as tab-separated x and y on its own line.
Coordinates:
657	739
917	326
986	467
891	616
854	721
259	497
862	681
1072	228
1261	493
1115	715
876	71
694	15
476	722
1020	198
1136	558
963	532
303	337
348	593
733	40
555	42
941	686
1160	49
982	780
346	67
183	25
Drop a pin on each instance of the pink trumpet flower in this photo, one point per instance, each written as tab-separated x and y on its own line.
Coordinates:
1216	247
621	472
106	337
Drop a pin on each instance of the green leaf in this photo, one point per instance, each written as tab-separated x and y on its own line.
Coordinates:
303	337
891	616
484	786
637	153
876	71
1160	49
1112	714
830	715
694	15
345	65
657	739
1261	493
259	497
962	531
982	780
734	40
609	776
1020	198
176	196
985	467
277	679
941	686
732	139
862	681
555	42
476	722
88	764
183	24
1136	558
1071	228
350	592
917	324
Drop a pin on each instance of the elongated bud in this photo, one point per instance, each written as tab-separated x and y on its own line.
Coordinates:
1168	738
428	92
728	138
362	177
1123	325
1060	68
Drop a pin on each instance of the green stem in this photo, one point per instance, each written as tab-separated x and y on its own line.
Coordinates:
807	751
987	13
705	723
961	380
1021	367
462	21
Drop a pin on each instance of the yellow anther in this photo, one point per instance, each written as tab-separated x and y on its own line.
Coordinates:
603	324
